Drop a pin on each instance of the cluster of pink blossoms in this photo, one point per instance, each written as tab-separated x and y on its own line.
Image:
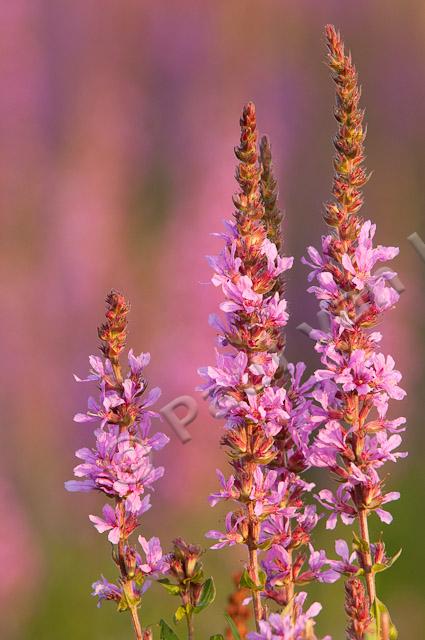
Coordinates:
356	377
119	465
292	625
266	409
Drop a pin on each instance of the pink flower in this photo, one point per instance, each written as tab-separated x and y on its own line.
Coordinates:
316	261
346	564
138	363
228	491
240	296
232	534
318	567
101	411
230	371
109	522
328	289
276	264
357	375
340	504
330	442
273	312
365	256
294	625
118	523
155	561
105	590
386	377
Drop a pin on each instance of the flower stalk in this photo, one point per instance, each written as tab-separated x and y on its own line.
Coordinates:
355	385
119	465
247	271
267	419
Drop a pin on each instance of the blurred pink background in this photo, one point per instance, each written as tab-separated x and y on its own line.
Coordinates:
117	127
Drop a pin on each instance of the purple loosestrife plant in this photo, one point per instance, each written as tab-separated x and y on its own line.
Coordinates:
267	425
277	425
357	381
119	465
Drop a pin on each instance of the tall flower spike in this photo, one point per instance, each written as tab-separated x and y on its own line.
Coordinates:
119	466
267	427
357	381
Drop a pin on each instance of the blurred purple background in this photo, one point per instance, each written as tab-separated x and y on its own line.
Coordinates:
117	127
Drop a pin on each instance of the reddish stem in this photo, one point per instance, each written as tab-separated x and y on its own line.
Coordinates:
256	599
136	623
367	558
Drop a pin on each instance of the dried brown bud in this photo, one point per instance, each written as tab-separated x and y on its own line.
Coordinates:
184	561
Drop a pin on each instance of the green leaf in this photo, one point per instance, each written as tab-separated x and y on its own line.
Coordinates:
122	604
217	636
196	578
247	582
166	632
207	595
395	557
180	613
264	546
378	567
262	578
174	589
139	579
183	611
233	627
378	612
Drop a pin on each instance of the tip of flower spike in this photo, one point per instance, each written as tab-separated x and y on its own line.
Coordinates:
113	332
332	35
117	304
248	117
334	43
330	30
265	147
248	121
248	112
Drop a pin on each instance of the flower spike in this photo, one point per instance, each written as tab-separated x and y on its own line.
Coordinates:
356	382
